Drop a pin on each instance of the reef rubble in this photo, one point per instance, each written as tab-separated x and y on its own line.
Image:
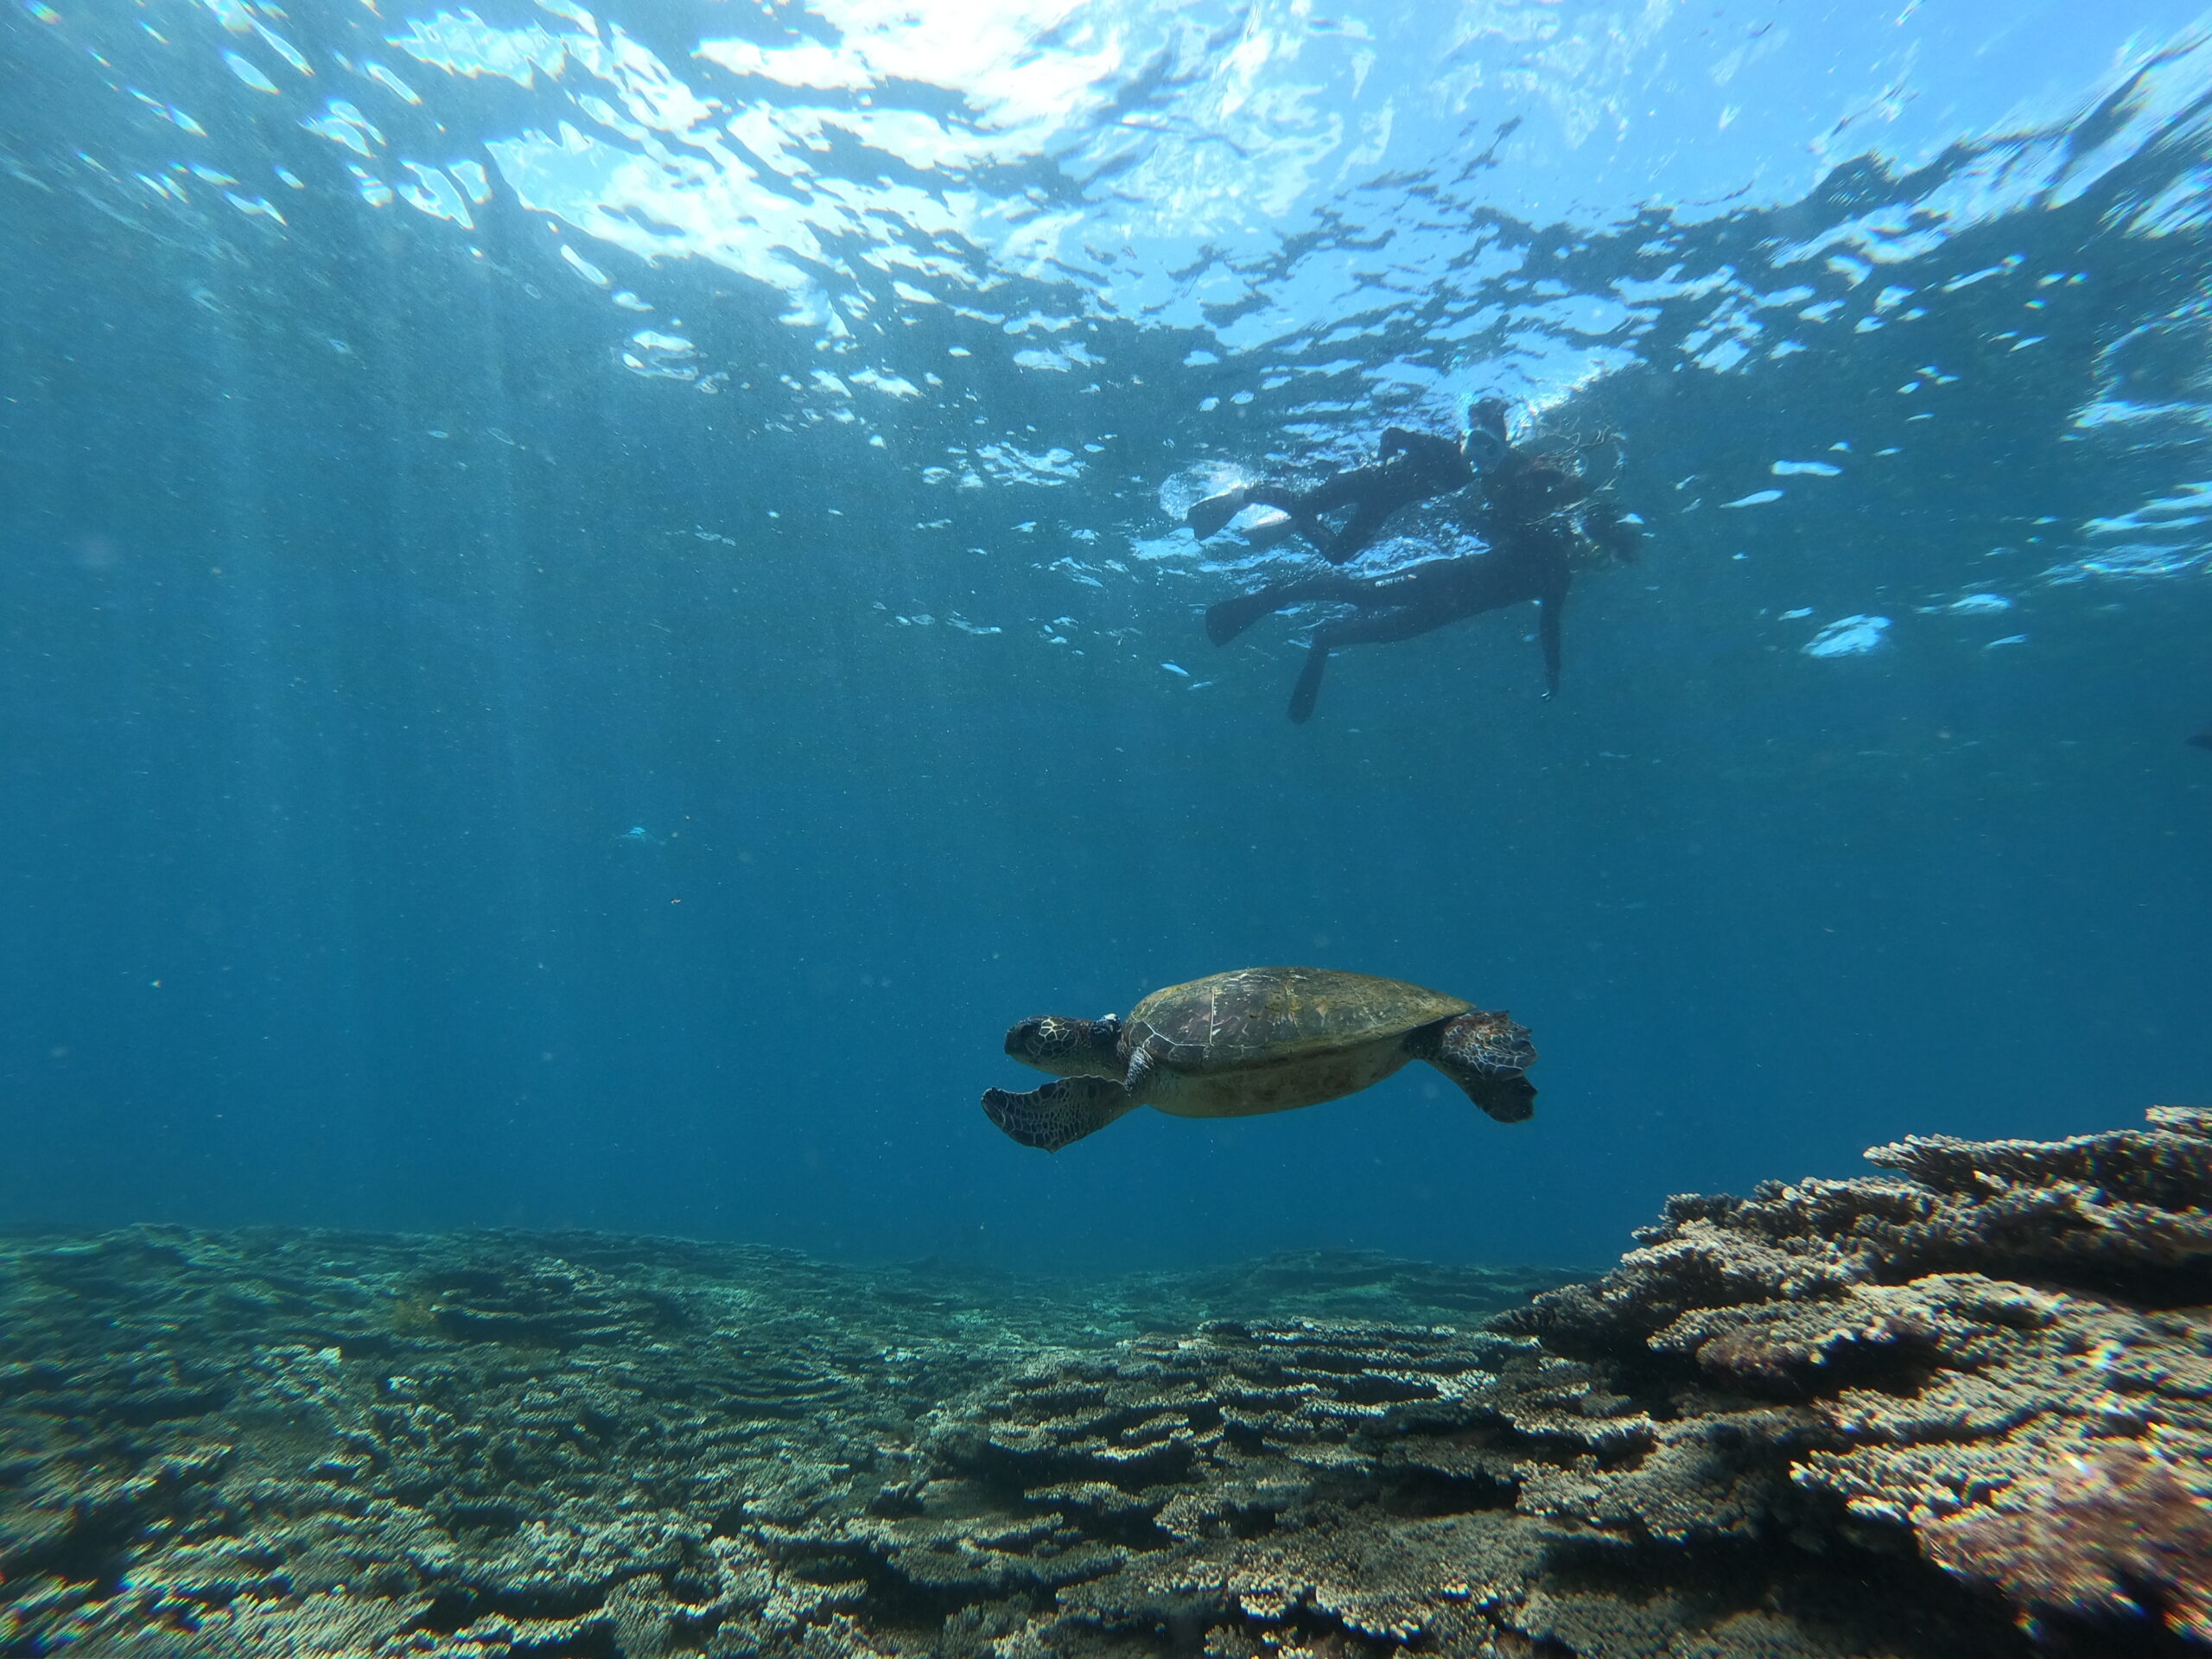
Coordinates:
1962	1407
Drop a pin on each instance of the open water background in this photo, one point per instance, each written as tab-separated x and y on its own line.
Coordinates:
773	447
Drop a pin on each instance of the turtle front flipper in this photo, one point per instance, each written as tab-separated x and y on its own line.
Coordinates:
1486	1054
1060	1113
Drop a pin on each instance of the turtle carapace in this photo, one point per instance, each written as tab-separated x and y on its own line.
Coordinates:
1261	1040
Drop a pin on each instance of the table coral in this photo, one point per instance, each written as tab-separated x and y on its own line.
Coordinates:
2003	1359
2105	1528
1962	1407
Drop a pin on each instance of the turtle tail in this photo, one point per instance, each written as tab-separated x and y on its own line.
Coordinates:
1060	1113
1486	1054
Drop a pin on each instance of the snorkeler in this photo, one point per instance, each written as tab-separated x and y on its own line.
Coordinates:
1540	520
1416	601
1412	467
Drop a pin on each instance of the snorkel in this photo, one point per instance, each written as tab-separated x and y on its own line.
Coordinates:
1485	445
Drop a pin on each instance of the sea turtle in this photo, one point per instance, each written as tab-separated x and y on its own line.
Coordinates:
1261	1040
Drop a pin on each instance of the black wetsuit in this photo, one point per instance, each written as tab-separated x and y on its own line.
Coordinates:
1414	467
1532	564
1533	541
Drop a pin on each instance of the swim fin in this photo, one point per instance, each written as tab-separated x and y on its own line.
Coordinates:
1211	516
1232	617
1308	691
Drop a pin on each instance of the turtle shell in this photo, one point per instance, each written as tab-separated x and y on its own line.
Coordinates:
1259	1016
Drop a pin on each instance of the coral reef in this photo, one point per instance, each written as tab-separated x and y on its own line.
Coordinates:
309	1444
1962	1407
2003	1360
2084	1533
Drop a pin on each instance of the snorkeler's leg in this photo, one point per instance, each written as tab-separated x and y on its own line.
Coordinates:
1232	617
1400	605
1308	691
1279	496
1407	603
1300	506
1359	532
1345	489
1348	489
1290	503
1391	609
1386	625
1269	531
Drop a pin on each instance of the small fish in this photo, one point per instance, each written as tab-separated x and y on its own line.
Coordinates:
2203	739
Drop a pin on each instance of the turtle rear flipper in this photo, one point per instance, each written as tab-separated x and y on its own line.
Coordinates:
1486	1054
1060	1113
1509	1099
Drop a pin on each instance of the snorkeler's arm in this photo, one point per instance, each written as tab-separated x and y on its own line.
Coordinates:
1438	462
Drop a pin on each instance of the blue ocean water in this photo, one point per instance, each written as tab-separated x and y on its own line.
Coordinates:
593	601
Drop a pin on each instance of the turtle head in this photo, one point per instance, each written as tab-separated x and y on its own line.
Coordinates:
1069	1048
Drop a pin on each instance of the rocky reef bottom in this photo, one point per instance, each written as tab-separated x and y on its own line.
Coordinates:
1962	1408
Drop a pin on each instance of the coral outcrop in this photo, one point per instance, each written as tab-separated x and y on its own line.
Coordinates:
2002	1360
1960	1408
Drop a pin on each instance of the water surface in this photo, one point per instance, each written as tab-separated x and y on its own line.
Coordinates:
592	605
